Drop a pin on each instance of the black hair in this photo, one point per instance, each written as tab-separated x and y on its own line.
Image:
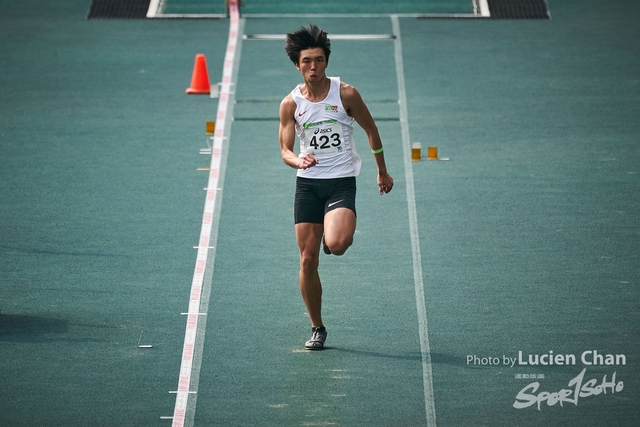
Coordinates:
307	38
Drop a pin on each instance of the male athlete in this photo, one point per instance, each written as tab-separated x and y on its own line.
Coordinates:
321	111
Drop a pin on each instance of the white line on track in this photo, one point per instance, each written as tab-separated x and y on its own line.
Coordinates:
186	394
425	348
358	15
153	8
188	16
155	12
484	9
333	36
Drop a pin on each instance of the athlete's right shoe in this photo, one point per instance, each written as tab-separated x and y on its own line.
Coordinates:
318	336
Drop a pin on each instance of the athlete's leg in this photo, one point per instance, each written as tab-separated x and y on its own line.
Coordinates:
339	228
309	236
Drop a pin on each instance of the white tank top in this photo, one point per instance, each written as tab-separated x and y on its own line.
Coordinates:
326	132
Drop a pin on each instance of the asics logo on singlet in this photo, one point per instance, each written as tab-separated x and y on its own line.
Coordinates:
326	130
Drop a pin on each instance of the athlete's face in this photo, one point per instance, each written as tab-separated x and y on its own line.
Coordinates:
312	64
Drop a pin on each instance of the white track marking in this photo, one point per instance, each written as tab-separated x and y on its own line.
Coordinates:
159	15
152	12
425	348
358	15
484	9
188	16
333	37
186	394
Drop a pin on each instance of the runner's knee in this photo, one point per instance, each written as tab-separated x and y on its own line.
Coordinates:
340	245
308	261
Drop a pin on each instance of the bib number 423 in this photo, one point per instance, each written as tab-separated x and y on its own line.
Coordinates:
324	142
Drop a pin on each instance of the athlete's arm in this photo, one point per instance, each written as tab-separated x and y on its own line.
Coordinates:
356	108
287	136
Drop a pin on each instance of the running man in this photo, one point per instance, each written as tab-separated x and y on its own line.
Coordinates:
321	111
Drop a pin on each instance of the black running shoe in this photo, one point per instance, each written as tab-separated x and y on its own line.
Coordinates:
318	336
325	248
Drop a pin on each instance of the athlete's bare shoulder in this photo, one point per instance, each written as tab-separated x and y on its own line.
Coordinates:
347	91
351	98
287	100
288	106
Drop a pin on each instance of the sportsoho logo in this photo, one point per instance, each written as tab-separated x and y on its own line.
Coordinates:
581	386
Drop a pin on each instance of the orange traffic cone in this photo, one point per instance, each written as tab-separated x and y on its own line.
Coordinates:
200	79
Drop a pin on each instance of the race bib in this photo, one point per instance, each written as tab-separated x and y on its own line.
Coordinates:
324	138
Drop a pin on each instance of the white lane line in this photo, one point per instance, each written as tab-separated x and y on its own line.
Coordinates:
188	16
158	14
425	348
152	12
356	15
484	9
186	394
332	37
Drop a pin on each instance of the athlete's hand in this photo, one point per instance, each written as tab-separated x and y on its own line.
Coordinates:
307	161
385	182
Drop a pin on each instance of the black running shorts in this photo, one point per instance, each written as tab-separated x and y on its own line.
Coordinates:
316	197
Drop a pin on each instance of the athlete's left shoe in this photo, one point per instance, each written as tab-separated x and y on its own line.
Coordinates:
325	248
